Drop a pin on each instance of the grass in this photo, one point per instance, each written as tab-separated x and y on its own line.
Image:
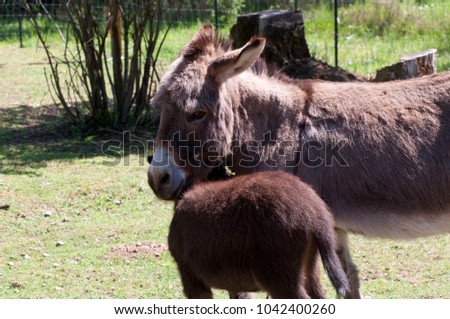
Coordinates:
23	81
379	33
87	219
54	178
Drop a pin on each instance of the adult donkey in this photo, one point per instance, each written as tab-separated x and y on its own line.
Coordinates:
379	154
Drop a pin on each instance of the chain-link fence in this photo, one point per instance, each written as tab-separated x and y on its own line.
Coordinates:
371	32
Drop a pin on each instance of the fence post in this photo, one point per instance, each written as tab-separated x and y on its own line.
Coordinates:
295	5
336	33
20	31
216	15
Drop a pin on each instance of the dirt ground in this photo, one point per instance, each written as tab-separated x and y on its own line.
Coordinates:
151	249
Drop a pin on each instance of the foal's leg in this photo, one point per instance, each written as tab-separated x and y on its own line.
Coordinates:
310	270
343	251
311	275
193	287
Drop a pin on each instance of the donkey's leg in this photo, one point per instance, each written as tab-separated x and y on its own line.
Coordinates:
310	270
343	251
193	287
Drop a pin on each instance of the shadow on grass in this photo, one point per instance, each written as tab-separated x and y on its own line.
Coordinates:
32	136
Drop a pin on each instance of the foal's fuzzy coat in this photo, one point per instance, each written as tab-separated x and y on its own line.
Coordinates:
255	232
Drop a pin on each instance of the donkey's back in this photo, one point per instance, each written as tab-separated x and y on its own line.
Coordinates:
393	140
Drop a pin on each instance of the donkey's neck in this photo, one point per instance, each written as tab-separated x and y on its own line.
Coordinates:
267	111
266	104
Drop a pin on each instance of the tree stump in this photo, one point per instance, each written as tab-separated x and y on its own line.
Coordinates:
411	66
286	45
284	31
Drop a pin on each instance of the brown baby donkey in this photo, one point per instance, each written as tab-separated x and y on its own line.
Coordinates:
262	231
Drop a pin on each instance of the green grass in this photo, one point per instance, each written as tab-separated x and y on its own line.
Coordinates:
49	165
23	81
88	220
379	33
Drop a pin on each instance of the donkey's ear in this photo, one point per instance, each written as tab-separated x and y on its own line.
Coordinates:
199	43
237	61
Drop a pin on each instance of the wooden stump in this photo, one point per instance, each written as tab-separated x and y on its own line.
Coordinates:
284	31
411	66
286	45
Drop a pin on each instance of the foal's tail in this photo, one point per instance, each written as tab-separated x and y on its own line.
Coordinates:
332	264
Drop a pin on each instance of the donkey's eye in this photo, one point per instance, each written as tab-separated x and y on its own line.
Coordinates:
196	116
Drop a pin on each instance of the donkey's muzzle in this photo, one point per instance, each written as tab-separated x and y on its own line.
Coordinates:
165	178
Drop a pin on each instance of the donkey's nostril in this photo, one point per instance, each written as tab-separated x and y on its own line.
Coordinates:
165	179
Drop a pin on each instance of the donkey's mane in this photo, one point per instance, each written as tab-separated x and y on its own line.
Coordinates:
261	67
221	44
203	40
271	70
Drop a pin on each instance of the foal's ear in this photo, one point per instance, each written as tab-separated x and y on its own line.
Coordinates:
199	43
237	61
